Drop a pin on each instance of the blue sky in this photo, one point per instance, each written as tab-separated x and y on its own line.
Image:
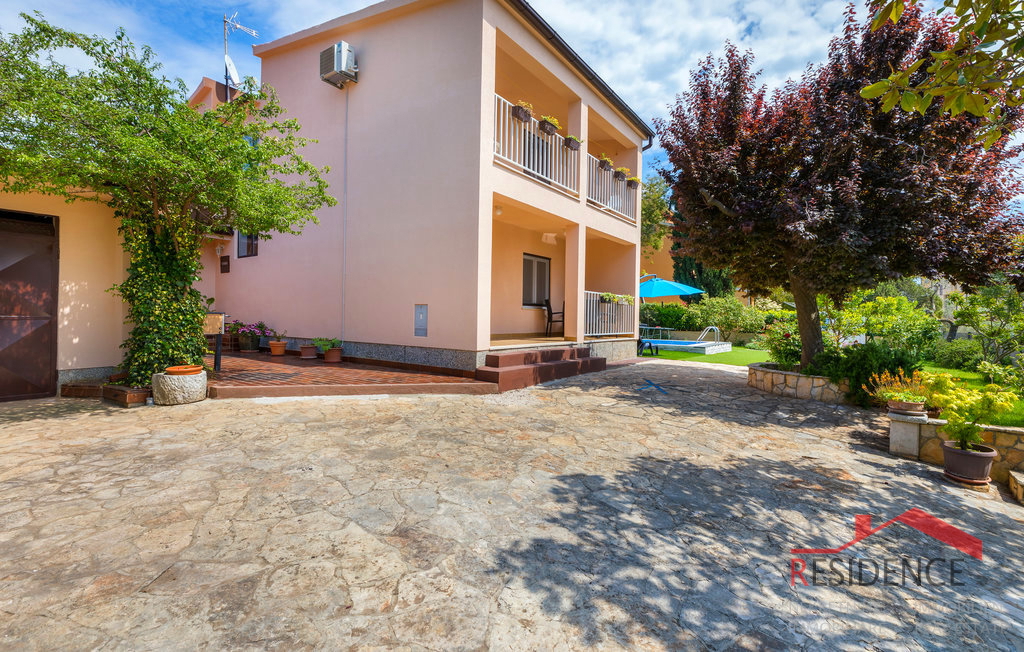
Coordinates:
644	50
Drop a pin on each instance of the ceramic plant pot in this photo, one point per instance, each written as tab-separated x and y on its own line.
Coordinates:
277	347
307	352
333	354
184	370
971	467
908	408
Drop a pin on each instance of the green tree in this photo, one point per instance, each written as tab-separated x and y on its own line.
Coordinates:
654	213
714	282
996	313
981	73
121	134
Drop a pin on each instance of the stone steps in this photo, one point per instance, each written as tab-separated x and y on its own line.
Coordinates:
524	368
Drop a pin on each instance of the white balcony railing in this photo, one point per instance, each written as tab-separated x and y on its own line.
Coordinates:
610	318
608	192
523	146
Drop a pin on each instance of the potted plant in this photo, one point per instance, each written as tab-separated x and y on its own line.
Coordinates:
621	173
249	335
633	182
522	111
902	393
965	458
605	163
624	299
608	297
331	347
549	125
307	351
572	142
277	344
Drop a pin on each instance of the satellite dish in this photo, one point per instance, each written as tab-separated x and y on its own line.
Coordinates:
231	71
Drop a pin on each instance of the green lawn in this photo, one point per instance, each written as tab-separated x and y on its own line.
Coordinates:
738	357
976	380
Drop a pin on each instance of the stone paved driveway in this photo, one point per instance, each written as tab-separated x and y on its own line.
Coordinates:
600	512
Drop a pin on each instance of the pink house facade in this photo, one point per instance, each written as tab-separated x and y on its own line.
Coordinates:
456	219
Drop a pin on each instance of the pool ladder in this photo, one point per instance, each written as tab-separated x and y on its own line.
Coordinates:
710	329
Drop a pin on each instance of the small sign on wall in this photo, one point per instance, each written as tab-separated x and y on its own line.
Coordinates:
225	264
420	321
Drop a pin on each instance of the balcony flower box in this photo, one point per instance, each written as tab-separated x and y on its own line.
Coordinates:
605	165
521	113
572	143
619	176
632	182
548	128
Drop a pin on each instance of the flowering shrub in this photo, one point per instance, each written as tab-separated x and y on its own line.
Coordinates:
257	329
782	342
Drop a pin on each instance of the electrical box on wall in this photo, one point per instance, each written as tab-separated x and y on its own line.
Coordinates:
420	320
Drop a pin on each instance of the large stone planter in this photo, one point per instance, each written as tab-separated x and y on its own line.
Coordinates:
765	377
178	390
921	438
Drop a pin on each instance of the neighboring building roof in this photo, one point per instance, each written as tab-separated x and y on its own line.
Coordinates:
523	8
211	85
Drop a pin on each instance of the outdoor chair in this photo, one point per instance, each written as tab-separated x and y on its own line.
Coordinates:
643	345
553	317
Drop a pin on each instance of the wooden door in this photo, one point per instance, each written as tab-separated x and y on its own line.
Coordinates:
28	306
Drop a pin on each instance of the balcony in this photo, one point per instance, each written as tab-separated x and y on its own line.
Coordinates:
522	146
607	318
610	194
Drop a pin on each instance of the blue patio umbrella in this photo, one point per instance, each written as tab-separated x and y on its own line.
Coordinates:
659	287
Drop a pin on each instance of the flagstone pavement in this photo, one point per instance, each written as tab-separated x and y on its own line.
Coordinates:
602	512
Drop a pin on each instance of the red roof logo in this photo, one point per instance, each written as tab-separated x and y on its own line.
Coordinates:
918	519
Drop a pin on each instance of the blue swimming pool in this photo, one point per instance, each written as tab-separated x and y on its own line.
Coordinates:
693	346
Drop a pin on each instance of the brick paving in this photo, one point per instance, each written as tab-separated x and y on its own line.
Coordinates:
264	375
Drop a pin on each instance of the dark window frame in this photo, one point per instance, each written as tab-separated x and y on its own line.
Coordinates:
246	246
547	290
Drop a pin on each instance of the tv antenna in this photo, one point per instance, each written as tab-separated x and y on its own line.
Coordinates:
231	78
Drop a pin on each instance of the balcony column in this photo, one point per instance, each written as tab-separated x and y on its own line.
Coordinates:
575	282
578	127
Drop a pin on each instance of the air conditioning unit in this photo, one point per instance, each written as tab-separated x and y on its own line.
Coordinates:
338	65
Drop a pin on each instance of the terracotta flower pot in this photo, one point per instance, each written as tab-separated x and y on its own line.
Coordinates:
572	144
971	467
333	354
277	347
908	408
307	352
184	370
548	128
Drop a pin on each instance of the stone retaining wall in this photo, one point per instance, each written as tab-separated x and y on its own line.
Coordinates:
918	438
765	377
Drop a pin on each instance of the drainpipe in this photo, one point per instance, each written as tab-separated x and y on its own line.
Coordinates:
650	144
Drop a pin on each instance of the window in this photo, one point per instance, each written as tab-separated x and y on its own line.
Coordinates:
248	245
536	280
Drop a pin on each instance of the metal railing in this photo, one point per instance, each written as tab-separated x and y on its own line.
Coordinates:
608	192
522	145
607	318
710	329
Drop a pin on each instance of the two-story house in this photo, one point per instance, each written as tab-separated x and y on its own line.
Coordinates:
458	217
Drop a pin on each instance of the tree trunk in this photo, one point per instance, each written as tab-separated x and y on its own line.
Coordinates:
808	320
